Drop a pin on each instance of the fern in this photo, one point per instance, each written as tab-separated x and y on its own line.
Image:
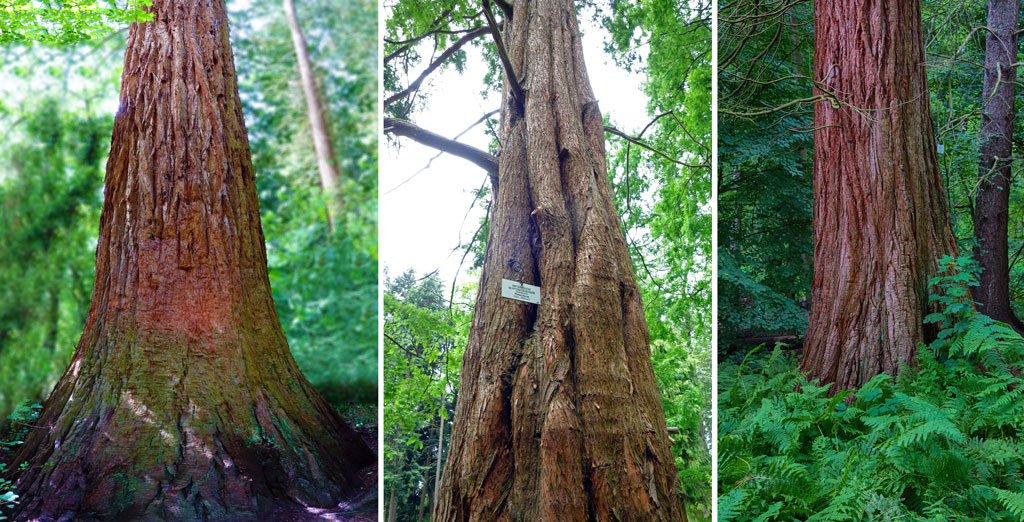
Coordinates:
1013	501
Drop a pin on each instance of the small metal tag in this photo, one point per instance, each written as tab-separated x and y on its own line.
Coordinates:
520	291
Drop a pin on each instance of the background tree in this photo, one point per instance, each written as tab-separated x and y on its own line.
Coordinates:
325	159
992	207
422	353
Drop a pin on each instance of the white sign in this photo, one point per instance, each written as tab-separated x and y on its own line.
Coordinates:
520	291
940	148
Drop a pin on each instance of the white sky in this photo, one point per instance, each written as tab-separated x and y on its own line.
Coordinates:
422	221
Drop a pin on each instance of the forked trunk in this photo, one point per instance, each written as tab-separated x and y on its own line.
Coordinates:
558	414
881	220
992	207
182	400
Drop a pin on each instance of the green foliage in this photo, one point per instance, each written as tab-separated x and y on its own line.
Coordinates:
666	214
324	283
7	494
66	21
764	186
413	28
423	345
50	198
22	420
939	443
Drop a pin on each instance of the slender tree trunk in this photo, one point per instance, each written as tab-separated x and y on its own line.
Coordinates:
558	414
325	160
392	508
182	400
440	452
424	497
881	219
53	319
993	204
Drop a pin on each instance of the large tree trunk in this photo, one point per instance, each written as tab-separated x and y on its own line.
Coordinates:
558	414
881	219
993	204
325	161
182	400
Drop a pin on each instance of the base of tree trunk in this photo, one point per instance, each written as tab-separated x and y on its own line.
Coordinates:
219	440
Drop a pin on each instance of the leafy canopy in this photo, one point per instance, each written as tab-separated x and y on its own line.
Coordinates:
66	21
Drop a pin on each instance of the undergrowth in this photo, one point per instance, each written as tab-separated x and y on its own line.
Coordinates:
941	442
21	421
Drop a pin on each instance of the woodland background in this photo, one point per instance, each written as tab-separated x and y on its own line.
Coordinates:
57	104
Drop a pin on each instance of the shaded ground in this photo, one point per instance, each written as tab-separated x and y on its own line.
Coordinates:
360	507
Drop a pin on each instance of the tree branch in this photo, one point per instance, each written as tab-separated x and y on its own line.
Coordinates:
517	90
631	139
470	36
482	159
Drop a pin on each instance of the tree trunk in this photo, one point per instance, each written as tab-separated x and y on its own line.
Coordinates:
440	451
993	204
424	497
182	400
558	415
881	219
392	508
325	161
53	320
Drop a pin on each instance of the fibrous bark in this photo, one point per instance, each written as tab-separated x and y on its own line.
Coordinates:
182	400
881	220
992	207
558	415
322	147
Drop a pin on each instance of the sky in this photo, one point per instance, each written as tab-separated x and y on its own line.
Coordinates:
423	219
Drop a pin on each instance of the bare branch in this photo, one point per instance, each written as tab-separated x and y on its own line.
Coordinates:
636	141
470	36
482	159
517	90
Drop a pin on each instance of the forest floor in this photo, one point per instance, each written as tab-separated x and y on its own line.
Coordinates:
360	507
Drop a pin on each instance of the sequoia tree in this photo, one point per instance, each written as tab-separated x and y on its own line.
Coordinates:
182	400
881	219
992	207
558	414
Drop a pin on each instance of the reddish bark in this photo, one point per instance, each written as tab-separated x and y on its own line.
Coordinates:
182	400
881	220
992	206
558	414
